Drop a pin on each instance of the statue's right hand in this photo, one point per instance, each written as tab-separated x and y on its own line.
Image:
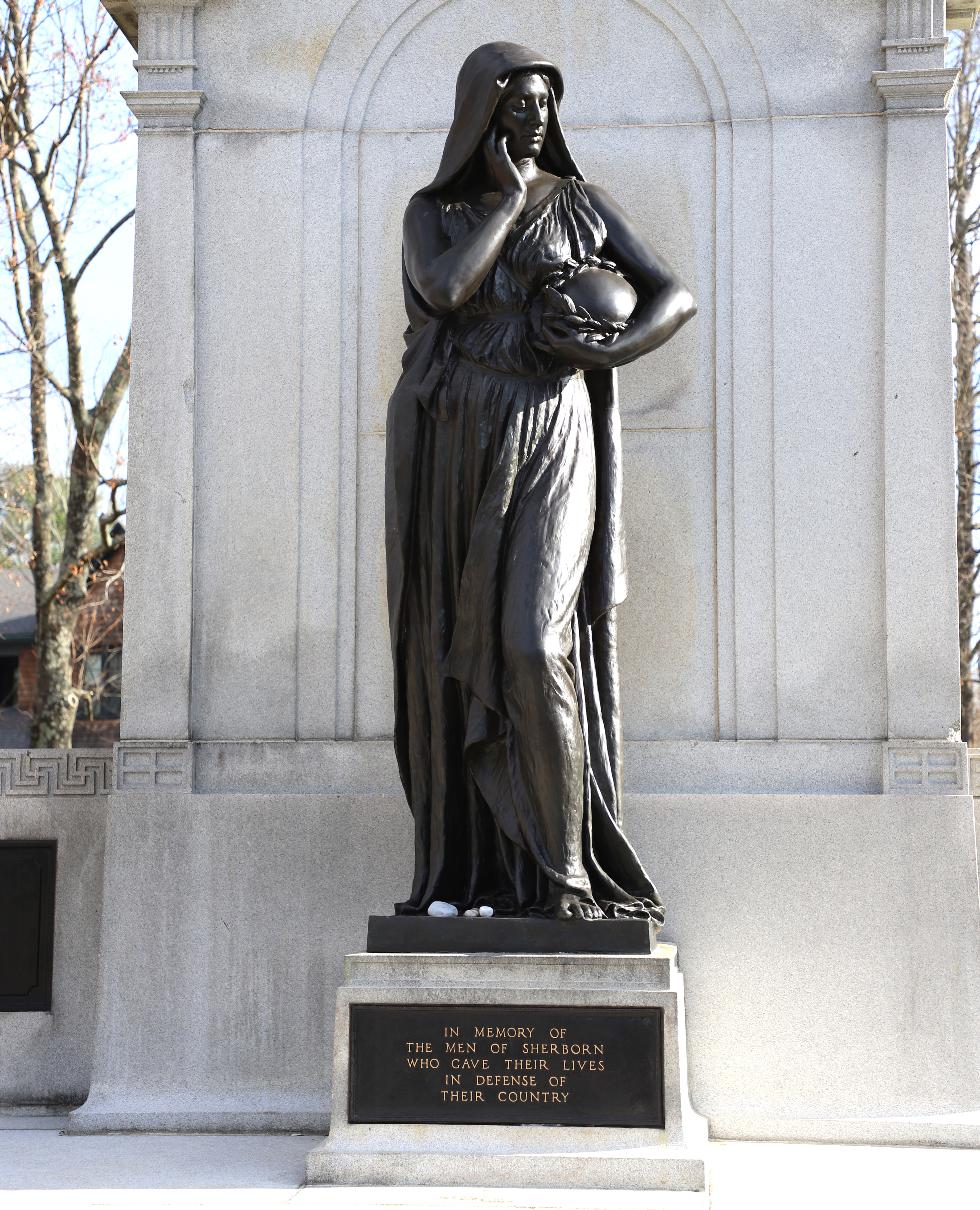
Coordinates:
504	171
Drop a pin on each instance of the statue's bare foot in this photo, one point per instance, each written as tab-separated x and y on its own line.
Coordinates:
574	905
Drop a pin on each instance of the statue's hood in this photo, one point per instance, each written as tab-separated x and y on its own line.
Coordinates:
482	81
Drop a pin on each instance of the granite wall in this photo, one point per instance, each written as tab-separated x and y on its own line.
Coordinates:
46	1057
771	597
789	649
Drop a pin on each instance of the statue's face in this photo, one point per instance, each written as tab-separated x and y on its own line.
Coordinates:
523	116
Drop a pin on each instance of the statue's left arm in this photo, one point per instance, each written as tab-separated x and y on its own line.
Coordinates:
665	303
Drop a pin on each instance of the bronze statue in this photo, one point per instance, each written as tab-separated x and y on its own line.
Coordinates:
525	287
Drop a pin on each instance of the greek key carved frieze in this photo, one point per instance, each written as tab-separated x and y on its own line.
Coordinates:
72	773
153	766
926	768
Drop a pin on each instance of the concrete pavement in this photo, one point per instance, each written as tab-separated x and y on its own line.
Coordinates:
42	1169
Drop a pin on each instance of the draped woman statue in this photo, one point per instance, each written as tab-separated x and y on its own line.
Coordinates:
525	287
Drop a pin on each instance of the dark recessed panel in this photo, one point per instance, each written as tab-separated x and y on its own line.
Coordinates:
506	1065
27	870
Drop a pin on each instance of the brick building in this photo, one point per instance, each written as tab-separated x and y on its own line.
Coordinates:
97	656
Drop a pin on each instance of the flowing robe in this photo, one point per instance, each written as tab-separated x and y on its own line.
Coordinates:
504	570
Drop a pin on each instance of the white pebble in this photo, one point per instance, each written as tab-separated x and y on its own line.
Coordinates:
438	907
486	910
471	912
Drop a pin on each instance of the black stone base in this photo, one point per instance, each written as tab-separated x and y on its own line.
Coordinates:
507	935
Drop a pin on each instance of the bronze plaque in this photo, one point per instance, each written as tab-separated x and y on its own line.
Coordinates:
508	1065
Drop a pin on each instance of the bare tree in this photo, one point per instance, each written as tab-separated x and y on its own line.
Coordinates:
964	223
97	644
17	510
52	56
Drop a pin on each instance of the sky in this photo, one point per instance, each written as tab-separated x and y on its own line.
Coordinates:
105	294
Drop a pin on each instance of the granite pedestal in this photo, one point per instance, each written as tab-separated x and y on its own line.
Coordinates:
455	1142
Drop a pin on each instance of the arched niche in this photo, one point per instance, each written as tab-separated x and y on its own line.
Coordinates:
373	32
673	118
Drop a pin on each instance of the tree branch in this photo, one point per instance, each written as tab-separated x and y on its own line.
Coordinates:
102	243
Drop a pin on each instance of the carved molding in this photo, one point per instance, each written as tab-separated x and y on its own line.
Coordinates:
914	19
66	773
975	771
167	30
154	765
915	46
926	767
166	98
915	36
960	13
915	90
167	109
167	46
912	767
126	15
